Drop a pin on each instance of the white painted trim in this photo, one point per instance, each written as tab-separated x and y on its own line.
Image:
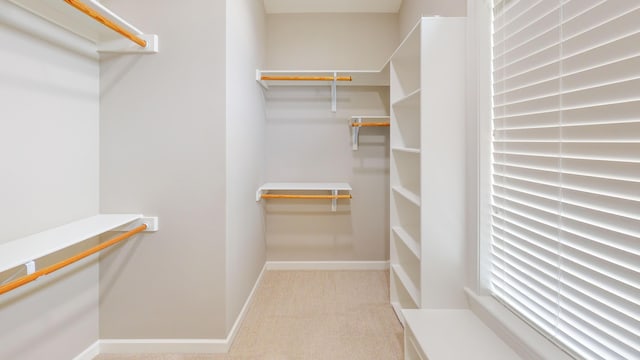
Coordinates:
523	338
187	346
243	312
89	353
327	265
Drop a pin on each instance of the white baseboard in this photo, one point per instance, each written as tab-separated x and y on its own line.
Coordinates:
327	265
92	351
184	346
154	346
243	313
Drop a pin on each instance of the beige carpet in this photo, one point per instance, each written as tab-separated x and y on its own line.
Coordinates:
312	315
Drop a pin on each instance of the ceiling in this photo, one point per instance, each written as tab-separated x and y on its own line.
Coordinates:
331	6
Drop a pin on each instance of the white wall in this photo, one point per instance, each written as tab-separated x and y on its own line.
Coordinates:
306	142
49	161
330	41
163	152
412	10
245	257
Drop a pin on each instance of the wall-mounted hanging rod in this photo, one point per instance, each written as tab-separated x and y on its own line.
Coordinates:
303	190
371	124
59	265
315	197
304	78
106	22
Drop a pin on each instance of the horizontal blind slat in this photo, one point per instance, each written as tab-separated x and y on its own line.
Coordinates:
601	150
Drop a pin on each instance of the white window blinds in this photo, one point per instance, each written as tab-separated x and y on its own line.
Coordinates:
566	171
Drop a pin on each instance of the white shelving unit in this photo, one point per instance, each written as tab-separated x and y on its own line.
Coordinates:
427	167
305	189
106	39
25	250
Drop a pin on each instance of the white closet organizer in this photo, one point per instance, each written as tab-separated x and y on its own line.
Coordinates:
93	21
25	250
109	33
333	78
356	124
427	166
315	191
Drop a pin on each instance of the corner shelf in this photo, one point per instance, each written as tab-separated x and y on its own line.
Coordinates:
407	194
27	249
106	39
407	240
406	282
356	123
411	100
406	150
265	191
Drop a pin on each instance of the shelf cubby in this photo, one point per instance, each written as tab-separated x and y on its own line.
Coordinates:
406	169
405	117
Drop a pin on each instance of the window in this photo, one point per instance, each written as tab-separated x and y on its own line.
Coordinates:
565	248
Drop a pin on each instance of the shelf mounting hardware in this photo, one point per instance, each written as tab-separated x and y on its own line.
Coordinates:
357	123
334	93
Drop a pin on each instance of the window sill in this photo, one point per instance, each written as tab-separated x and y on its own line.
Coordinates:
524	340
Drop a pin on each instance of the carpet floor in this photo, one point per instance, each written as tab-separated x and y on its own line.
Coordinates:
311	315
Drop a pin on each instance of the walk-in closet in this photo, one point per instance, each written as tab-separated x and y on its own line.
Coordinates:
228	140
301	179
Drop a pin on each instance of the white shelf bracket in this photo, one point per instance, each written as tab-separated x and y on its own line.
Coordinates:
260	81
356	132
31	267
333	92
334	201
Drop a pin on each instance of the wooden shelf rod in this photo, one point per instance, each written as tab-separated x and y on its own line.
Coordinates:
59	265
370	124
106	22
305	78
285	196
